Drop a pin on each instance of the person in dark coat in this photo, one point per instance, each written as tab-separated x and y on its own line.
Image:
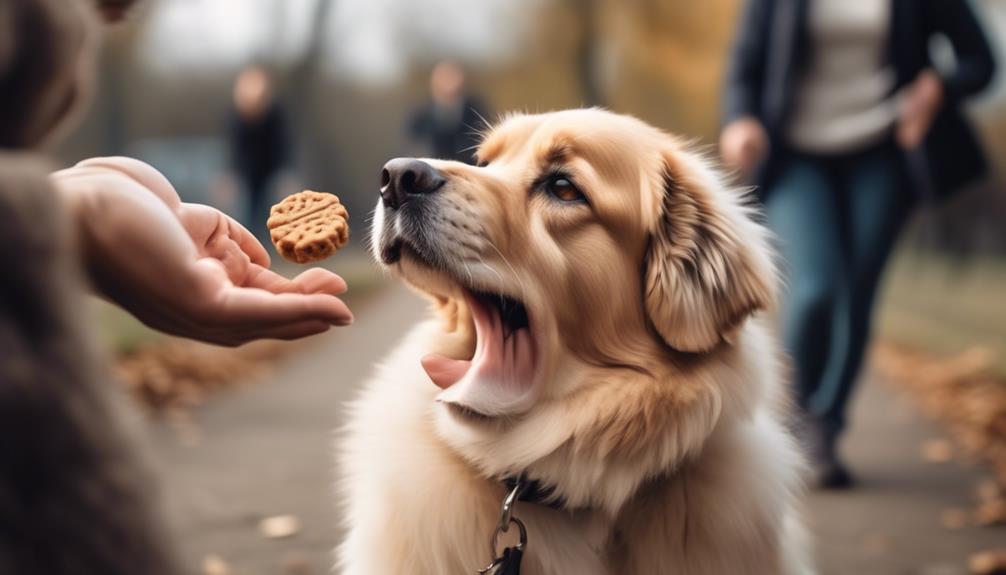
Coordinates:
448	126
76	496
258	142
836	110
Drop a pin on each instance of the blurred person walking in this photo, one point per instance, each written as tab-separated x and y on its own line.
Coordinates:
76	495
836	110
258	142
447	127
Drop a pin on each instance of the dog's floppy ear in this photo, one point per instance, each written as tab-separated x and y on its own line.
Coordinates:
709	265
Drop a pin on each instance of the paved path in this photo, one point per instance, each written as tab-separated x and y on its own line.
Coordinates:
265	450
891	524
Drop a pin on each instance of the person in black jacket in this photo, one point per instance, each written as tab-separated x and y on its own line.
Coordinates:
447	127
258	142
837	111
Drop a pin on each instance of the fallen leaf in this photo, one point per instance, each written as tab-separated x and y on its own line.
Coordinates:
215	565
940	569
988	490
991	512
296	565
279	526
988	562
954	518
937	451
878	543
177	374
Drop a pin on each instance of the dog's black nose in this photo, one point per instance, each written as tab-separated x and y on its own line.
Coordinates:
404	177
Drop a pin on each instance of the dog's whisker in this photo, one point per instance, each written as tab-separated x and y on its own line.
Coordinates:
488	126
491	268
468	270
469	148
520	280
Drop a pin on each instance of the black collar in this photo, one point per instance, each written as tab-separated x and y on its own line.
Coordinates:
536	492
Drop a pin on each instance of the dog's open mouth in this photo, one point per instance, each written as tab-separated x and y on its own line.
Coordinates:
501	371
499	378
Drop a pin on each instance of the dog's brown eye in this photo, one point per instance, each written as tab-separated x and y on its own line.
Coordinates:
564	190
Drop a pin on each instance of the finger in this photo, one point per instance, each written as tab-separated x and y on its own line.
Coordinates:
234	260
901	135
261	307
320	280
295	331
314	280
263	278
914	107
248	243
909	135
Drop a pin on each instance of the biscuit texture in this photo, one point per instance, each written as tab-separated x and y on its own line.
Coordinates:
309	226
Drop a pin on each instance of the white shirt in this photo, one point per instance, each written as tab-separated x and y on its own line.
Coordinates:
842	102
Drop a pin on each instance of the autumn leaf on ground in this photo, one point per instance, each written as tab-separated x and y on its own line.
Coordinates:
279	526
988	562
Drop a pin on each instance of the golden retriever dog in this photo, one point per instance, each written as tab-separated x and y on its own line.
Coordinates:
593	284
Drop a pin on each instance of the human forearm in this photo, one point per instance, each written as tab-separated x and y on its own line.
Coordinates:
112	215
746	66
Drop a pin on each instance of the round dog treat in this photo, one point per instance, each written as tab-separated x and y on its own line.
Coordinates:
309	226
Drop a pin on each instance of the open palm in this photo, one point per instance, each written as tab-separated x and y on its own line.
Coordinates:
189	269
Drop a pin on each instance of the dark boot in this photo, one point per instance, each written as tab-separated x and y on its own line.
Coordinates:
820	445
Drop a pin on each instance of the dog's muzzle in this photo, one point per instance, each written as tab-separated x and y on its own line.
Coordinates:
408	188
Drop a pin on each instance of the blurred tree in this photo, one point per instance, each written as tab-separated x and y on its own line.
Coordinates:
315	150
670	57
113	85
587	57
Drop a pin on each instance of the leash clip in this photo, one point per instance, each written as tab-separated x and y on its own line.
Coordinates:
502	526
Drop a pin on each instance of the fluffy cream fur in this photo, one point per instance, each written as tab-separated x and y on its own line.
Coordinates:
657	403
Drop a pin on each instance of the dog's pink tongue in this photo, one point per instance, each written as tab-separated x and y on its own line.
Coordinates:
505	366
445	371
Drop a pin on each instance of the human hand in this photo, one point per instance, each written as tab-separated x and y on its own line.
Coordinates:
188	269
744	144
919	103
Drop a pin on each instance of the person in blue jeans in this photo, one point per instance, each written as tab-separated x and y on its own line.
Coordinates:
836	110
